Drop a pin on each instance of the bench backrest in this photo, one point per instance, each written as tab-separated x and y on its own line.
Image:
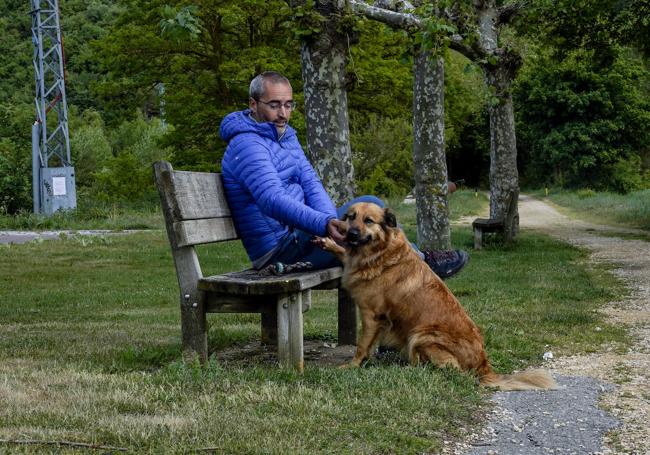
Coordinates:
194	206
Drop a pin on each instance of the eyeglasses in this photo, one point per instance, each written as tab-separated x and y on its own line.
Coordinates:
276	105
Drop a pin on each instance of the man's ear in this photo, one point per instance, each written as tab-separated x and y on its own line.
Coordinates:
389	218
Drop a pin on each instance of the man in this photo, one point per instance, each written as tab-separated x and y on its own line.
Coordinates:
276	199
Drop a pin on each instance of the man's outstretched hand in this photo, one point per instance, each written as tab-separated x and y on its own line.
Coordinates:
336	230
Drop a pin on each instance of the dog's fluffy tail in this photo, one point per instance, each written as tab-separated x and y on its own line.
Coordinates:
526	380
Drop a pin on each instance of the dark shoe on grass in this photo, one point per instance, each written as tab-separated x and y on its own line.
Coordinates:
446	263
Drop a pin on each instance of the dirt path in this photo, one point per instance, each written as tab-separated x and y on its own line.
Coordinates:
621	383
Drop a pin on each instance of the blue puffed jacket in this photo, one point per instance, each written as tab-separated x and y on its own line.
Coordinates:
270	186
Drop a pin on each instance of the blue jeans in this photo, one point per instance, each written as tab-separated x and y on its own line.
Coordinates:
298	247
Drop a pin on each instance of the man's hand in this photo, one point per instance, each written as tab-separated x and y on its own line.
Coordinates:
336	229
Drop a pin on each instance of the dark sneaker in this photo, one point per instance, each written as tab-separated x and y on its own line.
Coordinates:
446	263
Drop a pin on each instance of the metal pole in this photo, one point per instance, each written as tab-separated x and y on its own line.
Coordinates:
36	167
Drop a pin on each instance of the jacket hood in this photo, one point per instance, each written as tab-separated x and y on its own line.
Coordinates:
240	122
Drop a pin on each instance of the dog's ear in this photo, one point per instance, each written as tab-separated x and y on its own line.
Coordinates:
389	218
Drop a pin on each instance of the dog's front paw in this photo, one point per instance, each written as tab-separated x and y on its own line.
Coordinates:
349	365
326	244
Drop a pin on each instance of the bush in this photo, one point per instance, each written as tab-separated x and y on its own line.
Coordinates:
580	124
382	155
127	176
15	178
89	147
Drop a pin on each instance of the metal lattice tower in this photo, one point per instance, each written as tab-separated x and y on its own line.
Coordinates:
53	187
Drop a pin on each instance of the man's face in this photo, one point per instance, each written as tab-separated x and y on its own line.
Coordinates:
274	94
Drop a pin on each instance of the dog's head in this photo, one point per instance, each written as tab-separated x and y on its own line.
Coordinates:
368	223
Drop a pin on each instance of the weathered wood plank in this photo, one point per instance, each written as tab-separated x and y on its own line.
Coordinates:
487	223
283	303
296	351
250	282
196	232
478	238
290	342
193	322
225	303
199	195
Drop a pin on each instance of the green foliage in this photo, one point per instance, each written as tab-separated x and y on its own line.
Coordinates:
189	63
15	157
592	25
382	156
180	24
307	21
581	124
435	35
15	181
127	175
204	56
90	149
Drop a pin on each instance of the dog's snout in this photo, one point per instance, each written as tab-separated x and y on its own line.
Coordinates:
353	234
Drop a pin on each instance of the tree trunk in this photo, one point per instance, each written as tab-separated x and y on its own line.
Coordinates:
504	178
500	70
323	60
429	152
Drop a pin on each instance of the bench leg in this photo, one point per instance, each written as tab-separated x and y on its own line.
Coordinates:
347	319
478	238
269	322
194	328
290	344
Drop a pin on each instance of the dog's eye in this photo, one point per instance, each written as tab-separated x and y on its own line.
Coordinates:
368	221
349	216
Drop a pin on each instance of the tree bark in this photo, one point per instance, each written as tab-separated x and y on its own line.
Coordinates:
429	157
504	177
429	152
500	69
323	59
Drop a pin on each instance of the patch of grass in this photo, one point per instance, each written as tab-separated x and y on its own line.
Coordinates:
89	216
631	209
90	352
461	203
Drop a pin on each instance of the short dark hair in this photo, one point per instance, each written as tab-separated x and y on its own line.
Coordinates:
256	89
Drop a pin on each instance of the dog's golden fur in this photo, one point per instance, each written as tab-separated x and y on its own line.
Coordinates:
405	305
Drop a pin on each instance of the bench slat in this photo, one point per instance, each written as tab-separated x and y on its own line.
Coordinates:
199	195
250	282
488	223
196	232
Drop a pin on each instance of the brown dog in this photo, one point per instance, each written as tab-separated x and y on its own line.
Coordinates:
405	305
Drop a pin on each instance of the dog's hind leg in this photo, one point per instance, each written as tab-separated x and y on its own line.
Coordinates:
371	327
421	349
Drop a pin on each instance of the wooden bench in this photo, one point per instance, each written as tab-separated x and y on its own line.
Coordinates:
196	212
485	225
482	226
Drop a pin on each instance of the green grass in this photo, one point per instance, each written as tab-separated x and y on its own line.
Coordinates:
461	203
90	352
90	216
631	210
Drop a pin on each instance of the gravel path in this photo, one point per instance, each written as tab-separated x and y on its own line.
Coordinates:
603	404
